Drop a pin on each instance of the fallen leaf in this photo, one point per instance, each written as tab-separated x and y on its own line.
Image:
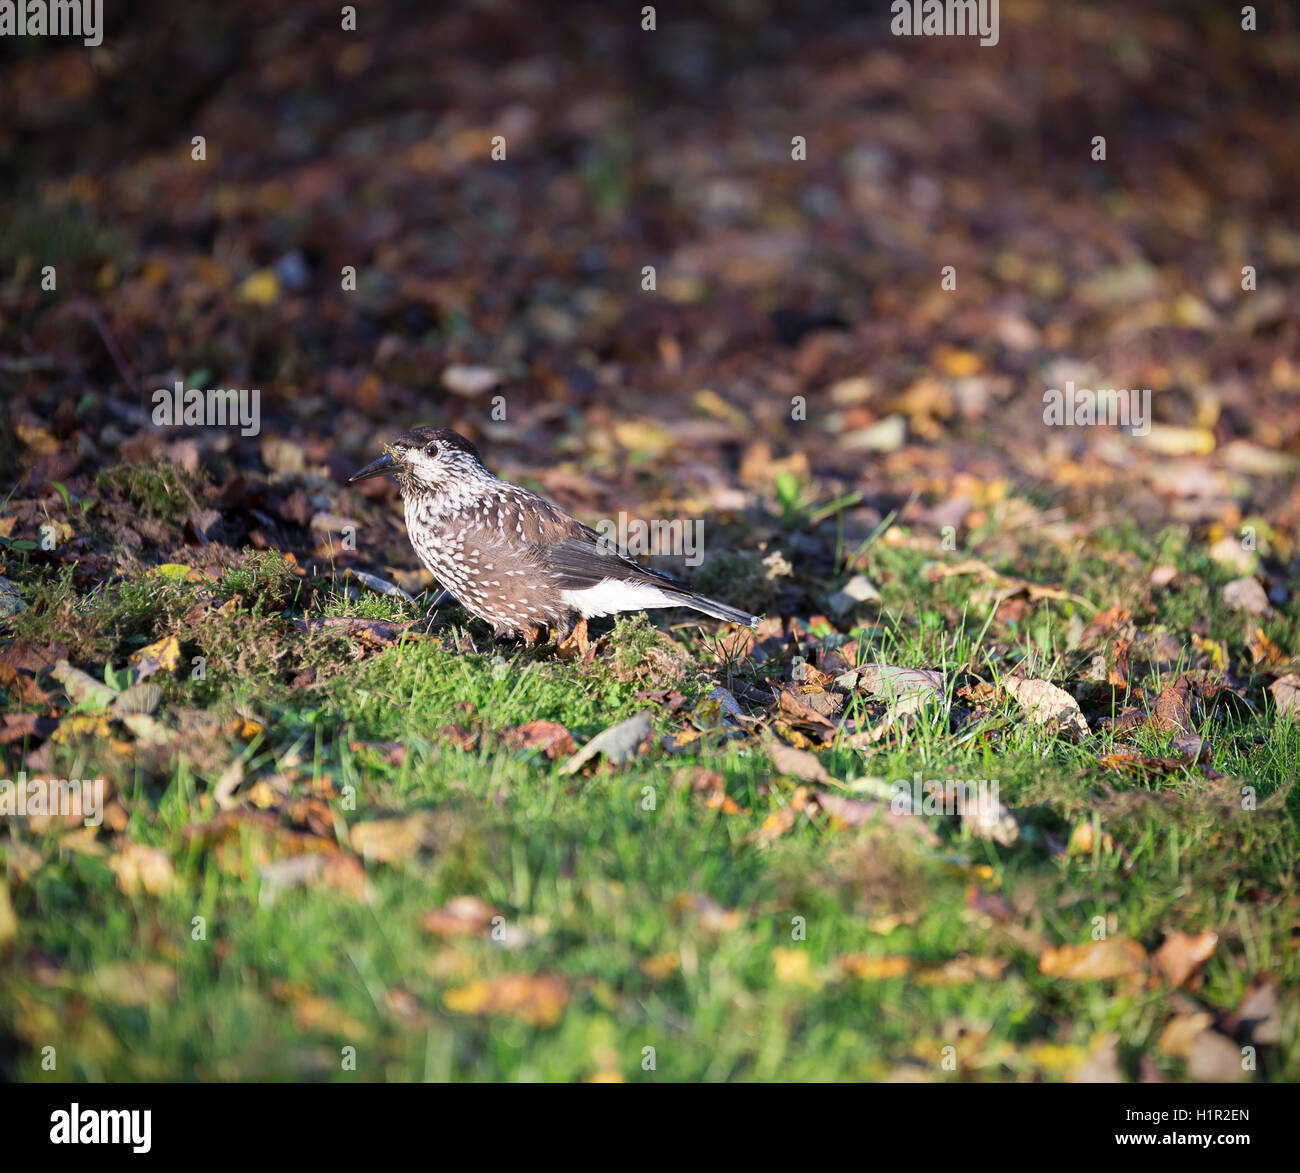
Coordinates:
1215	1059
331	870
1049	706
162	656
1245	594
964	970
797	763
395	840
539	1001
1180	1033
873	969
550	737
618	743
660	967
792	967
1286	694
142	869
780	822
8	918
794	707
890	683
460	917
1173	711
859	589
83	689
1263	651
1114	957
852	812
1259	1014
1182	955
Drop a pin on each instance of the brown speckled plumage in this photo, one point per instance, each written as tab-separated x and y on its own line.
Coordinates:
509	556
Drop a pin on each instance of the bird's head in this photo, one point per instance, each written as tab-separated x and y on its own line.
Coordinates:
424	460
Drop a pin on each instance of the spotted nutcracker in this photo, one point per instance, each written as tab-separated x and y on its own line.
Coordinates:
509	556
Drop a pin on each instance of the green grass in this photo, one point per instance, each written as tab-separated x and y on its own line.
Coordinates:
666	924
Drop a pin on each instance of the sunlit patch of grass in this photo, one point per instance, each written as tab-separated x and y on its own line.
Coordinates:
668	922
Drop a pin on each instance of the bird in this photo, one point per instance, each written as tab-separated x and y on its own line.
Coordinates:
513	558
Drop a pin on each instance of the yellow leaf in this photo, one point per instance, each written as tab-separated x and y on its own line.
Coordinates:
538	1001
1171	440
662	966
261	288
642	436
162	656
711	403
874	969
262	796
8	918
957	363
82	725
792	968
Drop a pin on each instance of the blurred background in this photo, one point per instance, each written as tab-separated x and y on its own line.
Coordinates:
797	335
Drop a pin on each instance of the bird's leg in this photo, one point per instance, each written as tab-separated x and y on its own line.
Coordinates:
574	645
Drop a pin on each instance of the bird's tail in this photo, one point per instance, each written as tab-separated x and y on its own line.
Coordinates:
718	610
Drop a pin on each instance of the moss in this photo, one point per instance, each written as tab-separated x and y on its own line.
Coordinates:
644	655
264	579
158	488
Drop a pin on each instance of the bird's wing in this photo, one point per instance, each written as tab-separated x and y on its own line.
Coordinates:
573	555
585	559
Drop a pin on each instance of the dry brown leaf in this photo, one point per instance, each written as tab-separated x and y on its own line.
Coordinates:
539	1001
964	970
1173	709
1116	957
797	763
1182	955
462	916
778	823
1049	706
394	840
142	869
794	707
550	737
1286	694
873	969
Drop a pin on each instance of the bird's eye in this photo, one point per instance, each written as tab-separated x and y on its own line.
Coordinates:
431	449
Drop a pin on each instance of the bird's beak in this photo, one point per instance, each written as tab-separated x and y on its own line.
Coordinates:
376	468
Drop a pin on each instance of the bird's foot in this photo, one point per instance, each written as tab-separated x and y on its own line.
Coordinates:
573	646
